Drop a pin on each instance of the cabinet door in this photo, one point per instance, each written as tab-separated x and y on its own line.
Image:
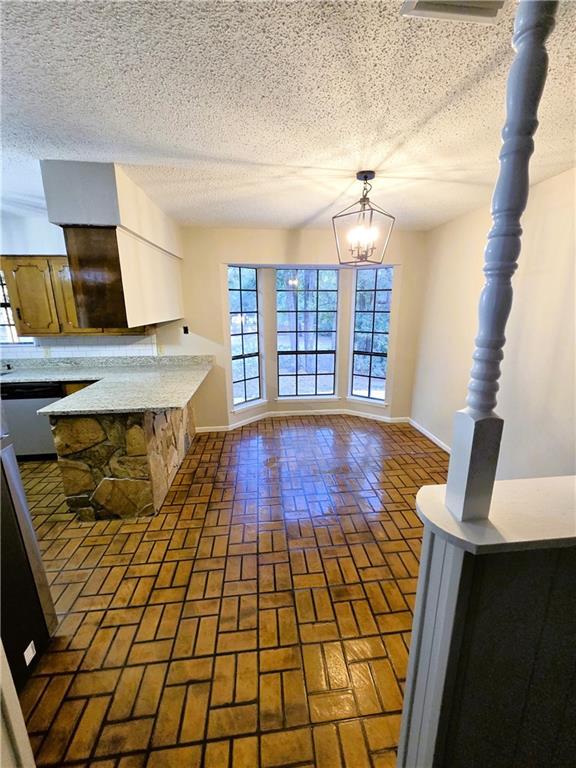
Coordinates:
70	387
64	297
31	295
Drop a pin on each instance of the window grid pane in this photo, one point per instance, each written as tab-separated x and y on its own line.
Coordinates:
243	307
306	312
8	333
371	327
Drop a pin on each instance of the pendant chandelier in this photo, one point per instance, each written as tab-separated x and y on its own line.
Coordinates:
362	230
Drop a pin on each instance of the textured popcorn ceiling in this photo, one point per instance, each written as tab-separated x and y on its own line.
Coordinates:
259	113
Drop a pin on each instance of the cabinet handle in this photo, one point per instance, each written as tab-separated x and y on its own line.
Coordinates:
19	316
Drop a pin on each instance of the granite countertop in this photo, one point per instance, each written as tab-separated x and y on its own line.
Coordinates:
151	385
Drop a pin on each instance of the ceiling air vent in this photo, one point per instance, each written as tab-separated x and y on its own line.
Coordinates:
479	11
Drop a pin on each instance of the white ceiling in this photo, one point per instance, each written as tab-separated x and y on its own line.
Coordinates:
259	113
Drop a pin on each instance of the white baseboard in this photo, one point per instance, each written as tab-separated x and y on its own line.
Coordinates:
429	435
305	412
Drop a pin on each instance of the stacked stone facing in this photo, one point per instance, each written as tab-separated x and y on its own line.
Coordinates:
121	465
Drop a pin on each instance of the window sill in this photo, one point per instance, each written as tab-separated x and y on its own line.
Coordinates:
370	400
301	398
249	404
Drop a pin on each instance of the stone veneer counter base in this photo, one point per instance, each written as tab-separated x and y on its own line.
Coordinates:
121	440
121	465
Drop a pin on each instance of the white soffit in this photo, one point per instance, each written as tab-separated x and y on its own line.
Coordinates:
259	113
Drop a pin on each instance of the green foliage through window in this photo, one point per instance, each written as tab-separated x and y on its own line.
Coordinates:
243	307
371	328
307	312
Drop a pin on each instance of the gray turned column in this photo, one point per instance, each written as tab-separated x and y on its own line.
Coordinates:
492	676
477	428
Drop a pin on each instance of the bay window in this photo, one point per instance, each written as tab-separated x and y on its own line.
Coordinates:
296	326
306	319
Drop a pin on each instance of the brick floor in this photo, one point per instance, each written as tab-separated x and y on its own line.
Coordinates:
261	619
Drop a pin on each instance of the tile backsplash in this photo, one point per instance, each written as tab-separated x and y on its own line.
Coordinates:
83	346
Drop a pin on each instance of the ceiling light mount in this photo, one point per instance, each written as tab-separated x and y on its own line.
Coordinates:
366	175
362	230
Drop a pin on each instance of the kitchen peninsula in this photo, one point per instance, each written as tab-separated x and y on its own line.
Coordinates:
121	439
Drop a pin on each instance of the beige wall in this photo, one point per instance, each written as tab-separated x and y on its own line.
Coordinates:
207	252
537	385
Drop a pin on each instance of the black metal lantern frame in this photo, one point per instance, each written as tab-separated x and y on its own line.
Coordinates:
362	230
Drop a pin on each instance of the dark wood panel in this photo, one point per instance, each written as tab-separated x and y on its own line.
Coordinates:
96	277
545	729
513	670
564	749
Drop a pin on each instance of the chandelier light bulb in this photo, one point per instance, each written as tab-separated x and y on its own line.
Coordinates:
362	236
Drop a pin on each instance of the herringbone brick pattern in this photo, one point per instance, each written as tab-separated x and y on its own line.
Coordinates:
261	619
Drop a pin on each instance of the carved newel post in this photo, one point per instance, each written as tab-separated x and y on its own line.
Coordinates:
477	429
491	669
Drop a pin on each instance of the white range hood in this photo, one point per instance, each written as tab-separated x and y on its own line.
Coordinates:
137	264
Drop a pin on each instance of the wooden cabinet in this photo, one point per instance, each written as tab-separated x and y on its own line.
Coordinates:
42	297
29	284
69	387
64	297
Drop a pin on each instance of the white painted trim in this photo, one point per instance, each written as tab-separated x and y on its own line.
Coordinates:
437	595
516	521
429	435
307	412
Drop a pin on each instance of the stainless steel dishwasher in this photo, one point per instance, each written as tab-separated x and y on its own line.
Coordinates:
30	431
